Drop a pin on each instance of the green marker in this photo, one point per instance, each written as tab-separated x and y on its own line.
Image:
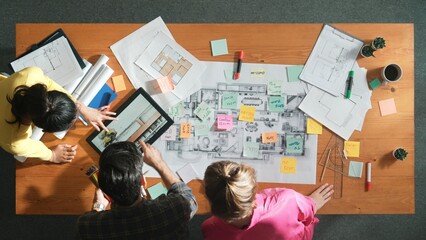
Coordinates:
349	83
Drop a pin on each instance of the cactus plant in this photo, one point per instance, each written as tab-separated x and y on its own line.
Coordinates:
400	153
367	51
378	43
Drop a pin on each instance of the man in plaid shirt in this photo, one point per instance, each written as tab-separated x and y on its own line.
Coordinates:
132	216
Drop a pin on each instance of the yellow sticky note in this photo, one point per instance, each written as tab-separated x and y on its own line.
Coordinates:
352	148
185	130
288	165
118	82
269	137
313	127
247	113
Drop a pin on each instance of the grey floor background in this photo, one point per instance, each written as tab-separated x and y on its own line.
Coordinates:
223	11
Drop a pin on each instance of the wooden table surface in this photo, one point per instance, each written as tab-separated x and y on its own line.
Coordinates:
43	188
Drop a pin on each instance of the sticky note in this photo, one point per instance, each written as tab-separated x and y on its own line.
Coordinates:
229	100
294	144
251	149
166	84
288	165
247	113
387	107
355	169
202	128
203	110
225	122
170	134
269	137
293	73
313	127
187	173
177	110
157	190
352	148
185	130
118	82
276	104
257	72
219	47
274	88
375	83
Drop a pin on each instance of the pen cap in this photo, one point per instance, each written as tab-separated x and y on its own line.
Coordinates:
351	73
241	56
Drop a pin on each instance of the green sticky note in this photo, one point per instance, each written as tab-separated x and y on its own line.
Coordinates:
176	110
276	104
157	190
251	149
294	144
229	100
375	83
355	169
202	128
293	73
203	111
219	47
274	87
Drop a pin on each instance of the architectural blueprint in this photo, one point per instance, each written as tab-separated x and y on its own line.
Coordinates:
225	96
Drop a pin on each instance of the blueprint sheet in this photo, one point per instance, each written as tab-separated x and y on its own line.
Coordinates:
205	147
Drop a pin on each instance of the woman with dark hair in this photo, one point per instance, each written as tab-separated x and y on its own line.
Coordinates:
241	213
29	97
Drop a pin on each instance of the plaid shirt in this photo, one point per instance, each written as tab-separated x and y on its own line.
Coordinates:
166	217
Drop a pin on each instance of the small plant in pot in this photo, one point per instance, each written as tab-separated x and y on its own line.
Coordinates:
378	43
367	51
400	153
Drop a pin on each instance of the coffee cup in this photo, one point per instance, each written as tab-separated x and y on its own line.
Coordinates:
391	73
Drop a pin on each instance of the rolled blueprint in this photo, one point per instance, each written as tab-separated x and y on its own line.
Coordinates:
89	76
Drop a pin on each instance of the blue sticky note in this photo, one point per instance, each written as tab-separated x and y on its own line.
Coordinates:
104	97
293	73
251	149
355	169
294	144
219	47
229	100
275	104
157	190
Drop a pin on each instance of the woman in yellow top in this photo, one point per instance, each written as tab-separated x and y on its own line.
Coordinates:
29	97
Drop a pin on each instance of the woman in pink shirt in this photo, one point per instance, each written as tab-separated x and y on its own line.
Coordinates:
240	213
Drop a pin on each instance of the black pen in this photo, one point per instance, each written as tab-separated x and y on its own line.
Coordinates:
349	82
240	62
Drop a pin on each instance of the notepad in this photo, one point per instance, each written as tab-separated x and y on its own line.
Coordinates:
355	169
157	190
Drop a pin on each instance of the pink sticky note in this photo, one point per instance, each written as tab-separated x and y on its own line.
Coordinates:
224	122
387	107
118	82
165	84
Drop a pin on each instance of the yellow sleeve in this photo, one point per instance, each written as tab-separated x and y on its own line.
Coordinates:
31	149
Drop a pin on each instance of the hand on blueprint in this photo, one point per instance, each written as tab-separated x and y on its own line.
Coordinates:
96	116
63	153
322	195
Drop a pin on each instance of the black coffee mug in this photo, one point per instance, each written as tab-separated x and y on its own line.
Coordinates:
391	73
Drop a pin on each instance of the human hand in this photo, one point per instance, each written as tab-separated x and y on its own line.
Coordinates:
96	116
151	155
63	153
100	197
322	195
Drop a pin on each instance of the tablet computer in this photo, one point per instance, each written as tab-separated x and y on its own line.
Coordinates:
138	118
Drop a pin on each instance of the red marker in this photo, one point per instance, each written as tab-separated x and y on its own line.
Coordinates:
368	184
240	62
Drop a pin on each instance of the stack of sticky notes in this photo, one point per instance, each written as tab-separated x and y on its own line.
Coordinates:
157	190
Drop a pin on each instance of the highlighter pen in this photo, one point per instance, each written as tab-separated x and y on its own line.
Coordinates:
349	82
240	62
368	183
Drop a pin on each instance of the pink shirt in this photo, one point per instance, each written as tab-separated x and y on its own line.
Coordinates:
280	213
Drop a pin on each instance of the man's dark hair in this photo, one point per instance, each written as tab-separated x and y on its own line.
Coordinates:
120	172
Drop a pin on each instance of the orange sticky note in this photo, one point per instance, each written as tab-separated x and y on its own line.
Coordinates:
247	113
165	84
352	148
313	127
288	165
185	130
269	137
118	82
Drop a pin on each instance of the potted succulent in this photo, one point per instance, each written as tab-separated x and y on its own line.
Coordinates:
367	51
400	153
378	43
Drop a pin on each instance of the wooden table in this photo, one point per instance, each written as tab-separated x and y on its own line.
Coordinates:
64	189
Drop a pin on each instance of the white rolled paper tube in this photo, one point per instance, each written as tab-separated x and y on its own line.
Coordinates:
89	76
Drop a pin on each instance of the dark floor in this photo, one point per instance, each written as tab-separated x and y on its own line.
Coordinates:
223	11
